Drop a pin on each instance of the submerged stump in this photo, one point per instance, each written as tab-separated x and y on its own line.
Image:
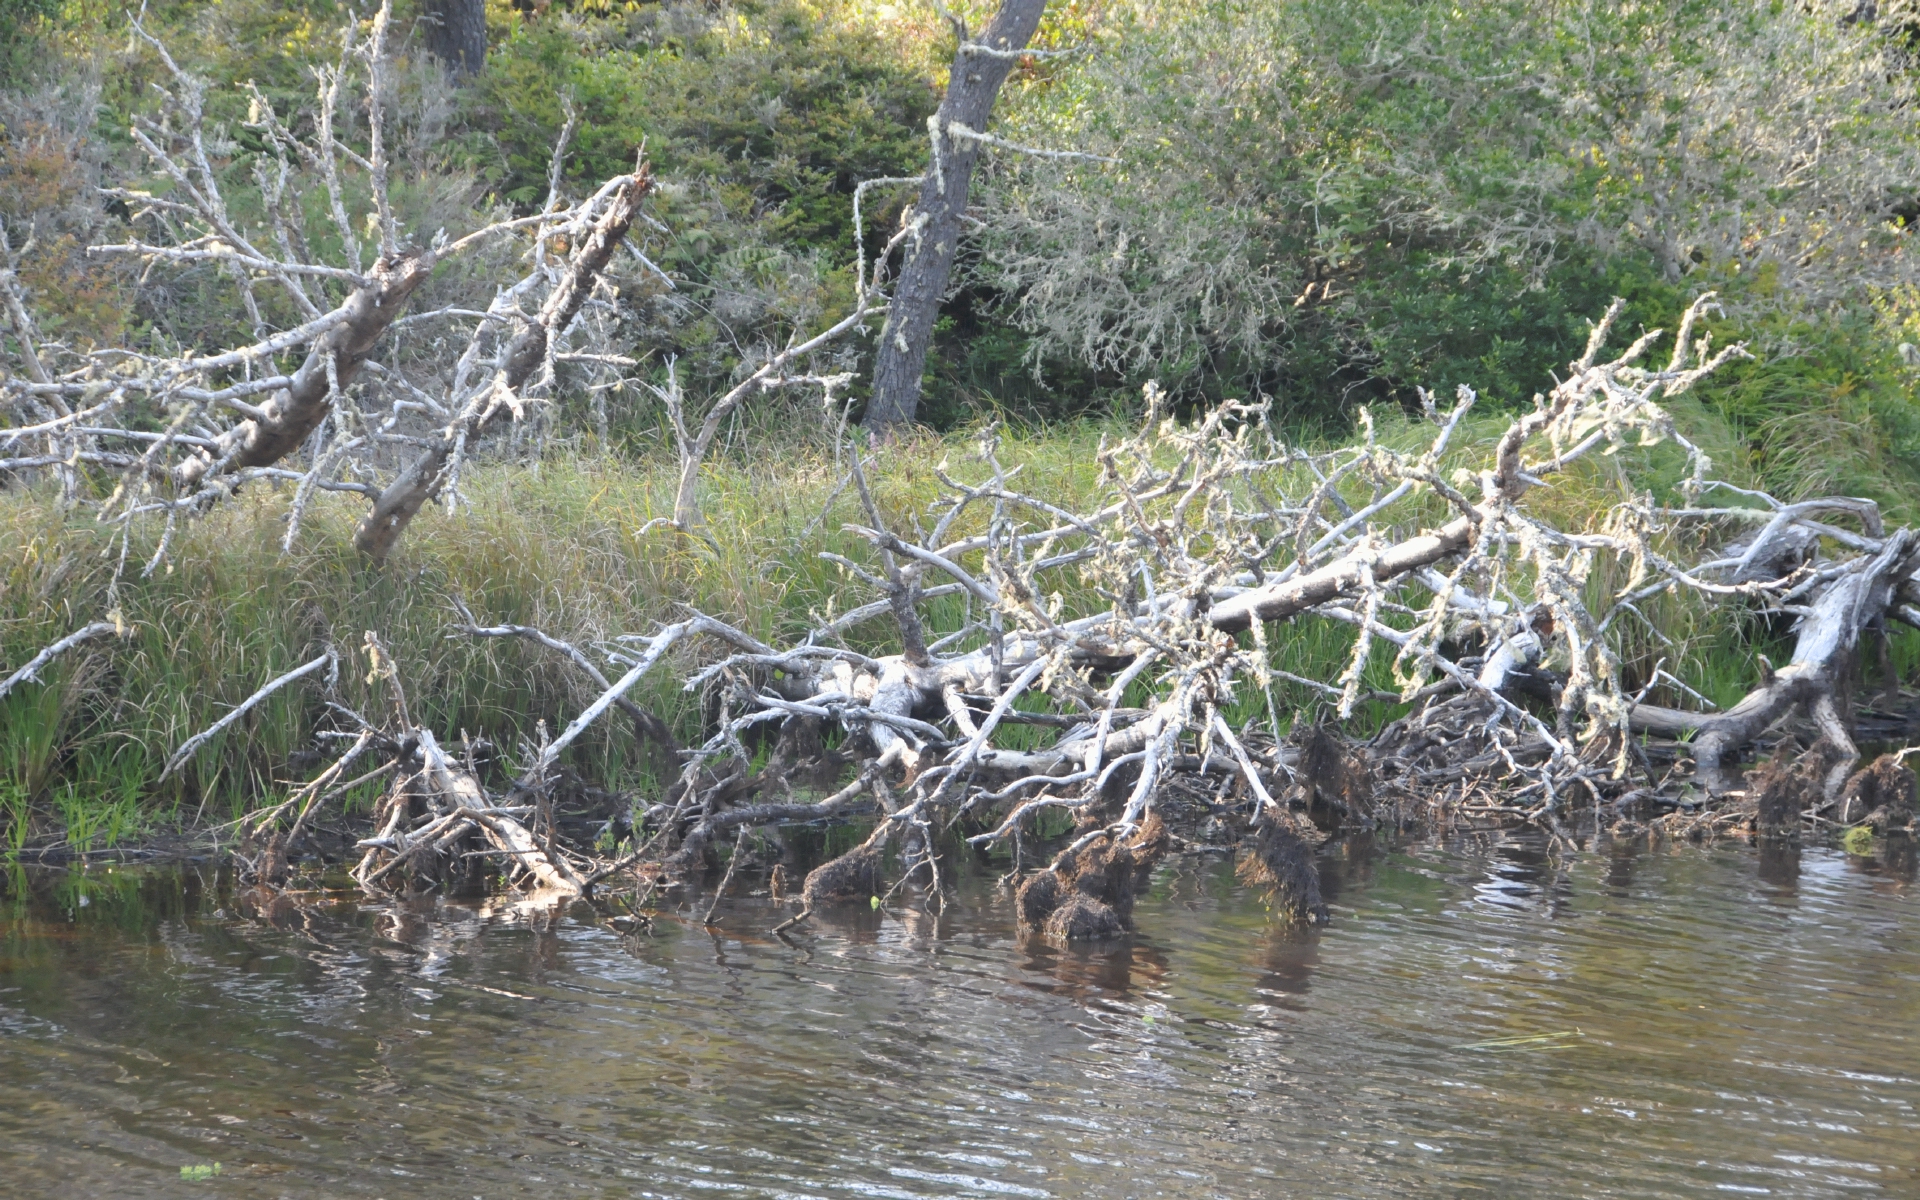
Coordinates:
854	876
1087	894
1279	857
1881	795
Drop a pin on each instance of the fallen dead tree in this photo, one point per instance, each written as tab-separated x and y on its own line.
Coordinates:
1115	662
436	818
1118	663
1132	645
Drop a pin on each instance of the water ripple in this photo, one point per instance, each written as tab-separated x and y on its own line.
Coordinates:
1480	1017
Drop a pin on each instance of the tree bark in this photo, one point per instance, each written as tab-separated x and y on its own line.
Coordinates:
295	411
397	505
1279	601
457	34
1823	653
971	90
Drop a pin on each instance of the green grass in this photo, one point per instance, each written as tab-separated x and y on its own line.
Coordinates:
555	545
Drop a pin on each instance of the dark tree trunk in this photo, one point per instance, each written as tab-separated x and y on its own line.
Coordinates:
971	90
457	33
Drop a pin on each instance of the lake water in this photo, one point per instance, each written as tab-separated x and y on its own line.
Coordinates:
1479	1019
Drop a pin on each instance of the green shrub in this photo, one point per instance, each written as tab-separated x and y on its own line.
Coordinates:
21	22
1332	203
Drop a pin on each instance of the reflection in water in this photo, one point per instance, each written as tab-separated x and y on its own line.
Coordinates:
1288	958
1347	864
1895	859
1780	863
1481	1017
1111	970
1524	872
857	925
1622	858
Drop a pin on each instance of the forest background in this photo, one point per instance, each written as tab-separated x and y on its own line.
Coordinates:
1329	205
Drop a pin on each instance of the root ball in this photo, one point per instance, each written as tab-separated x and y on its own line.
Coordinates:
1037	899
853	876
1331	778
1782	787
1881	794
1081	918
1093	888
1279	858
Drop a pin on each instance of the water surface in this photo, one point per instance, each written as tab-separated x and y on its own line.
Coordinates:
1478	1020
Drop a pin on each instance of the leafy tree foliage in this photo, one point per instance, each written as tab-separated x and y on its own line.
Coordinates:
1331	201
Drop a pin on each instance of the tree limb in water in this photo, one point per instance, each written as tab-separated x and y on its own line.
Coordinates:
1211	542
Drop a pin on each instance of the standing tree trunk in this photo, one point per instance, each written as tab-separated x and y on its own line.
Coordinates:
457	33
979	68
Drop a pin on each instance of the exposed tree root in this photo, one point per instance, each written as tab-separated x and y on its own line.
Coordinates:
854	877
1279	857
1880	796
1088	890
1334	783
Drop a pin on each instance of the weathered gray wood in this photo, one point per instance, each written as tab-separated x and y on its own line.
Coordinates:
380	530
972	87
1828	638
295	411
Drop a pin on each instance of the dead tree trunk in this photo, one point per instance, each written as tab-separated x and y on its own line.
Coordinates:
529	349
296	410
979	68
1823	654
457	34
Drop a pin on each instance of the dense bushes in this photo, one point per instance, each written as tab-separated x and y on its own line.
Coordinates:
762	120
1342	202
20	22
1328	203
1331	204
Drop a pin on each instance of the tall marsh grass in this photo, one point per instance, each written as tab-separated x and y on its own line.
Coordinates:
557	544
